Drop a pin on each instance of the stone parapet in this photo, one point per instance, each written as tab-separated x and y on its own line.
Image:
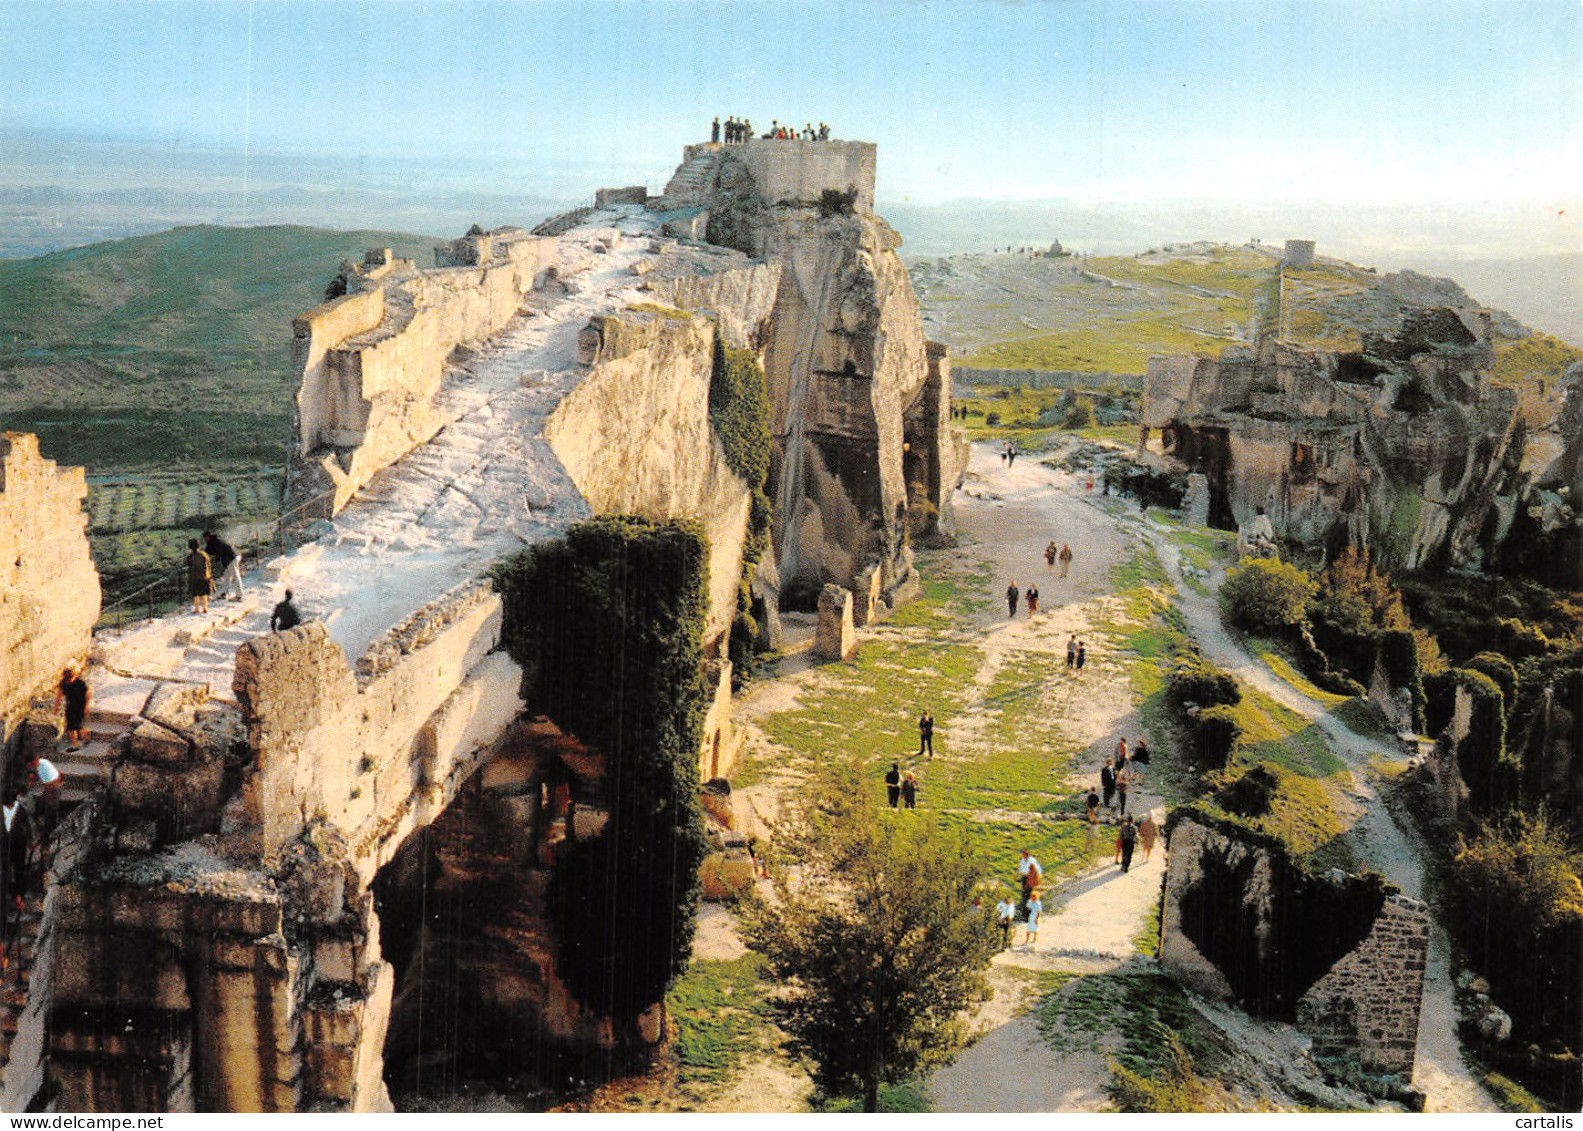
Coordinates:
49	588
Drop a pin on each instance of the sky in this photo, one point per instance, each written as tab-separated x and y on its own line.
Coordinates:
1097	102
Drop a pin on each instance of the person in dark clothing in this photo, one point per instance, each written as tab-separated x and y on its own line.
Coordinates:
1123	783
909	791
225	563
893	784
926	733
1129	840
16	842
1012	593
1033	599
1107	781
75	694
714	130
285	615
1071	651
200	576
1082	654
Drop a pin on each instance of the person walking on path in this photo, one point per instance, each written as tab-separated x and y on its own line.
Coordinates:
1065	558
1123	783
1107	781
227	563
1035	913
285	615
909	791
1082	654
200	576
1049	556
1129	838
893	784
17	841
1091	805
1030	875
926	733
1012	594
75	693
1148	831
1005	916
1033	600
1071	651
46	797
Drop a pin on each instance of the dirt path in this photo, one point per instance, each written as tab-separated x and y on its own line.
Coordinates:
1439	1070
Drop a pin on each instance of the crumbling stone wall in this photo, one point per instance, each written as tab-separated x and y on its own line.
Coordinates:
802	170
372	360
49	588
1341	957
376	753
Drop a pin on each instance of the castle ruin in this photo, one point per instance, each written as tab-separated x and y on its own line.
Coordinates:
228	913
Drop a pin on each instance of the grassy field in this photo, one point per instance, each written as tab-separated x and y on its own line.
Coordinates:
167	350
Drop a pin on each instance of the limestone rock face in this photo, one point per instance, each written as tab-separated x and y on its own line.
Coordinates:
1404	447
835	639
49	588
846	358
635	438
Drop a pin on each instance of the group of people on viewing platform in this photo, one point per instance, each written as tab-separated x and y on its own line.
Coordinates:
734	131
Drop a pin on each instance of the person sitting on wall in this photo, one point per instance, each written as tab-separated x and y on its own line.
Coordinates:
285	616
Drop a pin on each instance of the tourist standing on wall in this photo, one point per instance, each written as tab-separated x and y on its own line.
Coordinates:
926	733
893	784
75	694
200	576
714	130
226	562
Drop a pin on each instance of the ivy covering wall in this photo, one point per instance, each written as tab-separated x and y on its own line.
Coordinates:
739	409
608	628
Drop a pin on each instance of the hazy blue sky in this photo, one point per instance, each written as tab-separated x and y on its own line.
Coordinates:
1095	101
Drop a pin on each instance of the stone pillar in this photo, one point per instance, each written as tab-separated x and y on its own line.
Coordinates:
1195	503
866	608
836	639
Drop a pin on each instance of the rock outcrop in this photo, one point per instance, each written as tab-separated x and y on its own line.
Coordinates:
857	406
1405	448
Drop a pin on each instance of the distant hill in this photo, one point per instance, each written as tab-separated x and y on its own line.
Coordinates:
167	349
1091	314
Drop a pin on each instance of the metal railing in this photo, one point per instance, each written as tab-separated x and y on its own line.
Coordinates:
169	592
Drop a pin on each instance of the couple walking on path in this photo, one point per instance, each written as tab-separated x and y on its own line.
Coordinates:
1064	556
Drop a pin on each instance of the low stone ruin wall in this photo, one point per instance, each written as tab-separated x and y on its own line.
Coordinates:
372	360
49	588
380	752
1341	957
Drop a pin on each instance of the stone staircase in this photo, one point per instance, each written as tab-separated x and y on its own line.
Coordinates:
20	952
691	185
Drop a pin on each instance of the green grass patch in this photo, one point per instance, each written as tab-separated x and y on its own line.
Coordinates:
1126	1013
909	1097
722	1015
1512	1096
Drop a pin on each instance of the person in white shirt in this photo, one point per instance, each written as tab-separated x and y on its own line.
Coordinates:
1035	912
1005	916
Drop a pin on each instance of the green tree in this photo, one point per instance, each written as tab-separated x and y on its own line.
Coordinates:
875	931
1267	594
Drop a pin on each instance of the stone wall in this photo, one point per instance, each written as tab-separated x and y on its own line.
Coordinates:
799	171
377	753
1368	1004
635	438
1363	1005
49	588
372	360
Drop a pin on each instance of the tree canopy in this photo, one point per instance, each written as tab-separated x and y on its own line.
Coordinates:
874	928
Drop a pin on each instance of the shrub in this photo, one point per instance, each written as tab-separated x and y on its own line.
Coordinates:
1500	671
1517	907
1251	794
1518	639
1198	681
1218	735
834	202
991	420
1267	594
1080	414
